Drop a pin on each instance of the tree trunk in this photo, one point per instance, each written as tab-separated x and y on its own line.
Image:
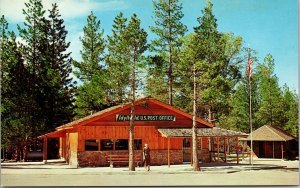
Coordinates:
131	125
18	155
131	138
25	150
194	129
170	72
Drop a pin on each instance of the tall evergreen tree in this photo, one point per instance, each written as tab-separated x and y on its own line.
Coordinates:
270	110
238	117
34	50
216	77
208	57
15	99
3	44
59	88
156	76
136	44
117	62
290	108
169	29
91	70
270	104
218	57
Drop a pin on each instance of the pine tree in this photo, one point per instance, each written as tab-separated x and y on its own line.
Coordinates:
117	62
270	110
290	108
169	29
34	50
5	101
219	63
34	54
214	57
3	44
93	48
156	76
91	70
217	56
134	47
15	99
238	117
59	88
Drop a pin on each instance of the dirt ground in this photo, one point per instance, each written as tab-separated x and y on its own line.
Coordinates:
57	173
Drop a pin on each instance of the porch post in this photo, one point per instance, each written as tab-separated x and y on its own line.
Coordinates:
218	149
45	150
281	150
228	139
191	148
225	149
168	152
237	150
64	147
273	150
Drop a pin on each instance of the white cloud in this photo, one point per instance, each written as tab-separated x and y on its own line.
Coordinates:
12	9
75	45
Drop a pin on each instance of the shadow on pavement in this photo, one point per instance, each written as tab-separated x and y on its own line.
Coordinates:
51	164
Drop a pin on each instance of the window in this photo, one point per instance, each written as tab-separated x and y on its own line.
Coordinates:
107	145
91	145
121	144
186	143
138	144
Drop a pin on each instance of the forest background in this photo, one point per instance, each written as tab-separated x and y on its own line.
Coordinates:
43	86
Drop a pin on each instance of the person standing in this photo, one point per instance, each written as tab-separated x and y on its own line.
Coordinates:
146	157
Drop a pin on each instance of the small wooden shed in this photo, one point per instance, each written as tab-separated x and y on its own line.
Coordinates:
273	142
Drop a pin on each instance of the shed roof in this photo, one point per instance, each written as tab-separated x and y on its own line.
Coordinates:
270	133
201	132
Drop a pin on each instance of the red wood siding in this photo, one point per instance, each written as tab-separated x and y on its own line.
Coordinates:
148	134
151	109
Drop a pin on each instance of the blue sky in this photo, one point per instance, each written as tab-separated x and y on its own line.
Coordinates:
267	26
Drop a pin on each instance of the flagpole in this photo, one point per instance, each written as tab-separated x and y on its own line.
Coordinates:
250	107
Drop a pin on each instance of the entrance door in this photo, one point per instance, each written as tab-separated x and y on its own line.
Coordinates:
186	149
261	149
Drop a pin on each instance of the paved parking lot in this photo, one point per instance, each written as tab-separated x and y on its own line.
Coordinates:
57	173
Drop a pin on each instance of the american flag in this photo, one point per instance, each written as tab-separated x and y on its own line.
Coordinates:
249	70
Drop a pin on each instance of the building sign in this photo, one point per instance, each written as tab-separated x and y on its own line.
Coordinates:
123	117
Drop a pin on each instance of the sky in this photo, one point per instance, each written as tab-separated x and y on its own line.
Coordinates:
266	26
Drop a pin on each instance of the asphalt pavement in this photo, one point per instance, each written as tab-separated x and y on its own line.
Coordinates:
57	172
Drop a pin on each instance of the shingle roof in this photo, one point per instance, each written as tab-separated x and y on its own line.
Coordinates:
90	116
184	132
269	133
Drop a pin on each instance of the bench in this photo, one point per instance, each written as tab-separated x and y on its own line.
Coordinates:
35	156
122	160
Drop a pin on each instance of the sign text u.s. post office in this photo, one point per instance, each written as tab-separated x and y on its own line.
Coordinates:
138	117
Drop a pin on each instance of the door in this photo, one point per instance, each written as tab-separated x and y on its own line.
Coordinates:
186	149
261	149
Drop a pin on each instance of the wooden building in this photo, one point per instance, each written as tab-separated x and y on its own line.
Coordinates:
90	140
273	142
